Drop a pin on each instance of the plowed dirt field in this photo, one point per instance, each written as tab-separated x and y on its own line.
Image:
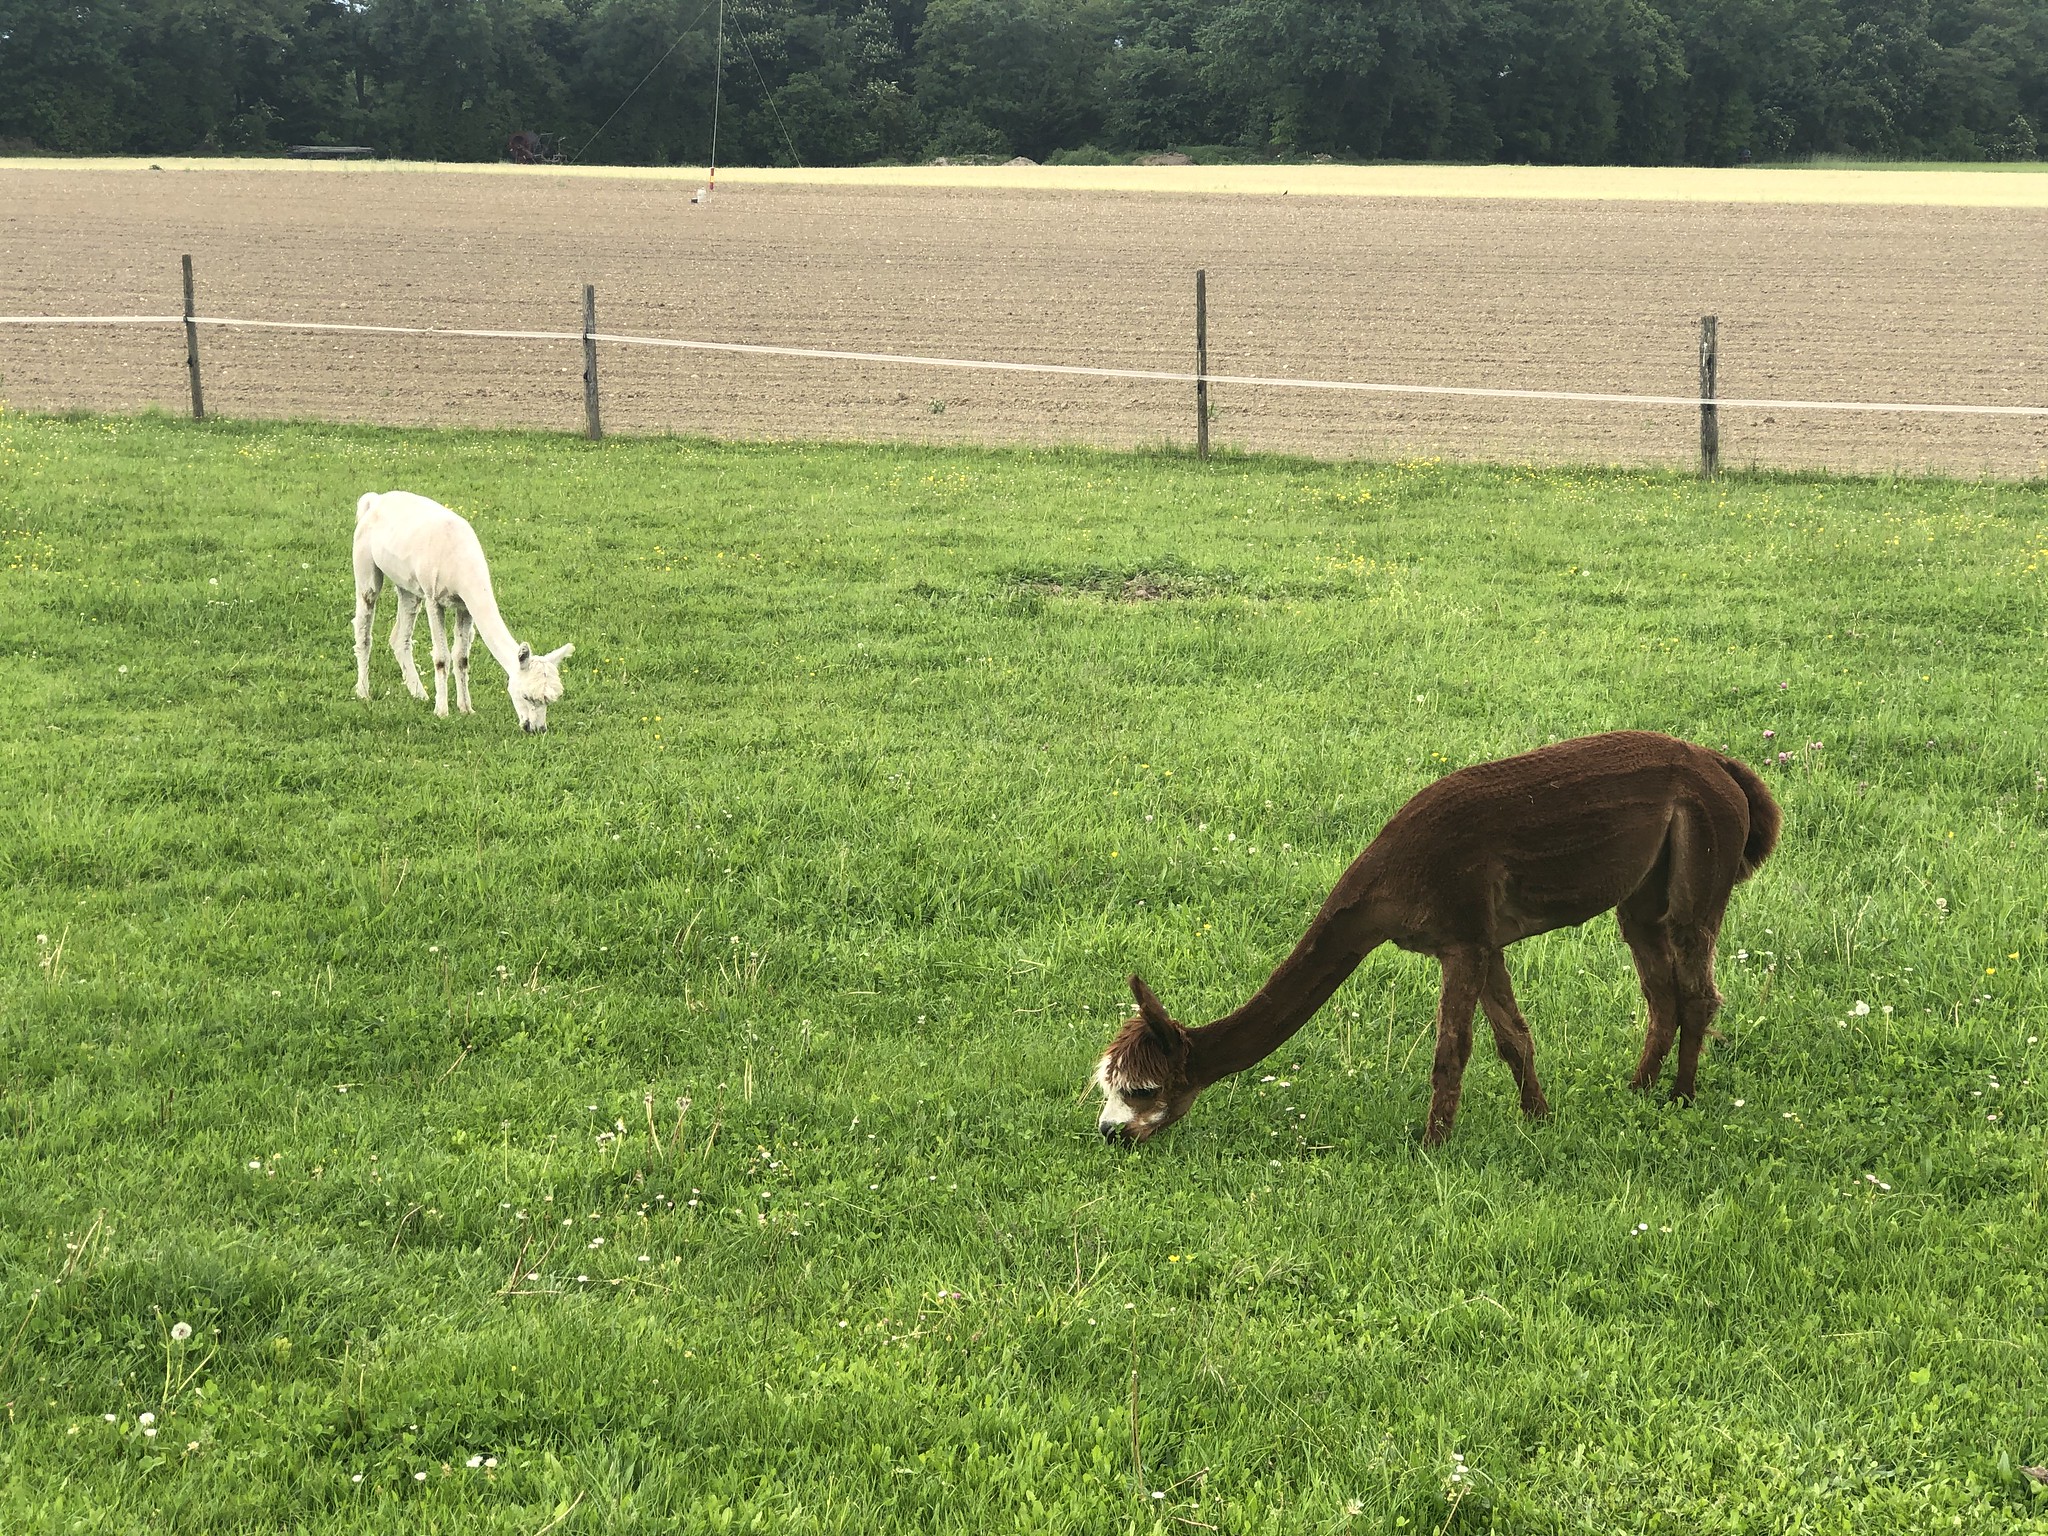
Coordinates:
1820	302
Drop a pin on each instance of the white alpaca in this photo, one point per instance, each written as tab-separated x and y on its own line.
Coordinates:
433	558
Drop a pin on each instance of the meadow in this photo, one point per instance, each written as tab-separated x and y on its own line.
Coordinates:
678	1121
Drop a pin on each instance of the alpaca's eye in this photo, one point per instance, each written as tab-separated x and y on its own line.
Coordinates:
1140	1095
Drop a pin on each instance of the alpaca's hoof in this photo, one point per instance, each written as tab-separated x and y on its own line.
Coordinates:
440	711
363	692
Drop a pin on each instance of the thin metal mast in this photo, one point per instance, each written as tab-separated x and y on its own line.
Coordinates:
717	91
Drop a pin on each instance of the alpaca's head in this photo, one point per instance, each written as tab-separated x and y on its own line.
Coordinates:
536	684
1144	1073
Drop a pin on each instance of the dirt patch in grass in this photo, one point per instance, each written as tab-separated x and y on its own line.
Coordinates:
1157	584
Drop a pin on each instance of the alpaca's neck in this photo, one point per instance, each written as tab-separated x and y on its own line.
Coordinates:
490	627
1342	934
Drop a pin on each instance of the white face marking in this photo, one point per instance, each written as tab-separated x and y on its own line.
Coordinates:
1124	1114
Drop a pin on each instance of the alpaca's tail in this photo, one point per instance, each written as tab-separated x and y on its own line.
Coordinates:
1764	816
363	504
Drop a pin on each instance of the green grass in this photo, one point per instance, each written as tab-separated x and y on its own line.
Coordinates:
319	1019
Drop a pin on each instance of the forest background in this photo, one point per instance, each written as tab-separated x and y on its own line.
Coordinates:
847	82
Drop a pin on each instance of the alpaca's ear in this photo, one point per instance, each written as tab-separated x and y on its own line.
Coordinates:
1157	1019
525	653
561	653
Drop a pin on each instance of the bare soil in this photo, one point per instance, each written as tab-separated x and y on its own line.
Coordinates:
1829	302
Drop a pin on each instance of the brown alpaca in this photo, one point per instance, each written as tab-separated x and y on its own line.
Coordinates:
1657	829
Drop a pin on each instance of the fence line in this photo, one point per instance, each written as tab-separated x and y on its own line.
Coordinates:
1076	370
92	319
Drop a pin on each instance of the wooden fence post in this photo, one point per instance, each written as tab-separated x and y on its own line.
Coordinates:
592	427
192	348
1710	418
1201	362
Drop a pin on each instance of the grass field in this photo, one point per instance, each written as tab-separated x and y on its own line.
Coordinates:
352	1040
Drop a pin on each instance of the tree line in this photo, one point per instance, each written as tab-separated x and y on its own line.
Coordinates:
837	82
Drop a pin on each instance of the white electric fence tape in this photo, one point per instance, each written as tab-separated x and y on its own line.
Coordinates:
1072	370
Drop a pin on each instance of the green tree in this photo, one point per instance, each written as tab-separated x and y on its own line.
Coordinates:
1013	75
62	81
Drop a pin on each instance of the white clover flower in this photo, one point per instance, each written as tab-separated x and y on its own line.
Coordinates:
474	1461
419	1477
180	1332
145	1419
1860	1009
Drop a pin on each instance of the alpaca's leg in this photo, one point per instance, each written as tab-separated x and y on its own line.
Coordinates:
367	585
1656	960
1698	1001
1464	972
465	634
1511	1035
437	628
401	642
